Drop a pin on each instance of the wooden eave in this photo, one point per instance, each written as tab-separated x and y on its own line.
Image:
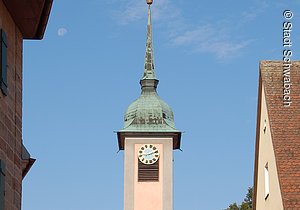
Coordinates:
176	136
258	118
26	161
31	16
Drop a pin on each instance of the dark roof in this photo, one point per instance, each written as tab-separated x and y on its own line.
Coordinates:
285	127
27	161
31	16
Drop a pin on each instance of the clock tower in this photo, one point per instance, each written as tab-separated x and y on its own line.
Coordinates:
148	139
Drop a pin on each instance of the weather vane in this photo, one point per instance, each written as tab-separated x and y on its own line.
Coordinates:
149	2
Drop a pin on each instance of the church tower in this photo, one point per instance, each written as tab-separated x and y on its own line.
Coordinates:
148	139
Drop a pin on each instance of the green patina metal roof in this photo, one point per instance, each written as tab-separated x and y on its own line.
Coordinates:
149	58
149	113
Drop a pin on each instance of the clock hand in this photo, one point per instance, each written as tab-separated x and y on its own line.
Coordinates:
149	154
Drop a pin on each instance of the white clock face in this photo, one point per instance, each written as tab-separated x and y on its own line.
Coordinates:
148	154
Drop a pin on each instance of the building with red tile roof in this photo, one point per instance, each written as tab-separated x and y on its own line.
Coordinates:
277	152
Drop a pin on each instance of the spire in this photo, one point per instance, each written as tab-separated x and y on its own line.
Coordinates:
149	58
149	114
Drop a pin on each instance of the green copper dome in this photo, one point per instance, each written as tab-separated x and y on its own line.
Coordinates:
149	112
149	116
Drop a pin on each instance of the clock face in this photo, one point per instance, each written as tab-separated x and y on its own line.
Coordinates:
148	154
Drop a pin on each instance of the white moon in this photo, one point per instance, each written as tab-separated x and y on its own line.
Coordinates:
62	31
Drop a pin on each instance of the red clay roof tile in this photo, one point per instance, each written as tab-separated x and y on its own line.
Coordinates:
285	127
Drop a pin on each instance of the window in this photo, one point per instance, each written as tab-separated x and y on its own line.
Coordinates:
267	181
148	173
2	184
265	126
3	63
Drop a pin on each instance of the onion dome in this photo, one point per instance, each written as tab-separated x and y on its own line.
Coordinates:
149	112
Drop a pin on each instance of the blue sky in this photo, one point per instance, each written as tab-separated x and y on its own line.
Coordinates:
80	79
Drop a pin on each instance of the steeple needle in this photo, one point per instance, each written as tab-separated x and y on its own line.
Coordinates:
149	57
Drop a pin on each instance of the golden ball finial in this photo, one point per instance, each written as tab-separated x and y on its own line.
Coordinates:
149	2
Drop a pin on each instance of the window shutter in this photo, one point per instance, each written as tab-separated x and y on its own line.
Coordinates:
148	173
3	61
267	181
2	184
